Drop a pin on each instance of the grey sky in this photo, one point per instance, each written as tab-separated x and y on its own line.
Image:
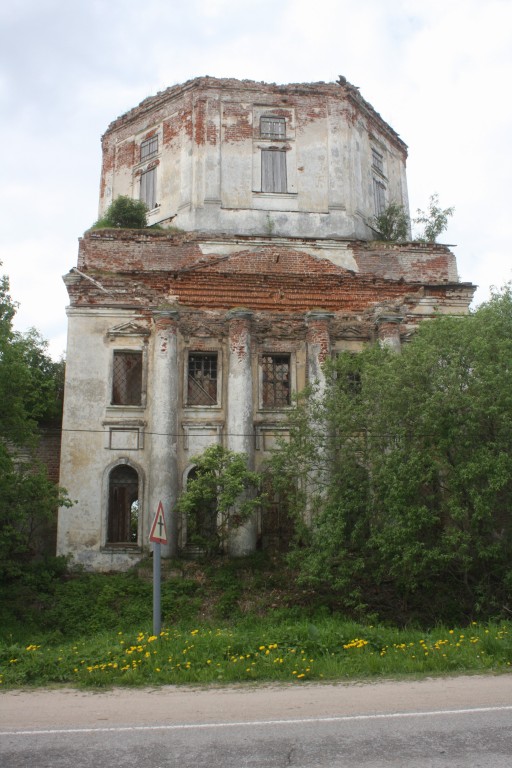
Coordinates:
438	71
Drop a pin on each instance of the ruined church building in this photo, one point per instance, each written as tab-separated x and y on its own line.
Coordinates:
200	333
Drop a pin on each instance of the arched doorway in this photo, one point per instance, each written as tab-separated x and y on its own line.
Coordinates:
123	505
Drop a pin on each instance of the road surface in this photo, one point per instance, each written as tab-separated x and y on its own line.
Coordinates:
434	723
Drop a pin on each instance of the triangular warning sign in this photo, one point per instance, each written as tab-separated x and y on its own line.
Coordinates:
158	530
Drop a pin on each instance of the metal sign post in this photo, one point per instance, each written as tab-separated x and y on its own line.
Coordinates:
158	536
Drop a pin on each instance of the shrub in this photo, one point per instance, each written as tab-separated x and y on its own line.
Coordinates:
124	212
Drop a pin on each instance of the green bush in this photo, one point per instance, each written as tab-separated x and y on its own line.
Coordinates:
124	213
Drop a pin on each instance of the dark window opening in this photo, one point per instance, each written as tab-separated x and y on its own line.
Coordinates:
273	170
277	525
272	128
149	148
127	378
123	506
148	188
275	380
202	519
202	379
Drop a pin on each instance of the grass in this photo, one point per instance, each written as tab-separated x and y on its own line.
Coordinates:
249	651
240	621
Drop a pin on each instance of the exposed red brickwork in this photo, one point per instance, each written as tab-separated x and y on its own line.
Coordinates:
125	155
318	333
296	94
237	123
48	449
200	121
239	336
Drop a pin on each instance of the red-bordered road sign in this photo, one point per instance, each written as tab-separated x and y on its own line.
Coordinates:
158	529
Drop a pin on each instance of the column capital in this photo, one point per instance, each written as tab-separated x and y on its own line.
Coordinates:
166	314
239	313
319	314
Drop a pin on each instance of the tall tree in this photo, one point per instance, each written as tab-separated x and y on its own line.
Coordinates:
412	509
30	392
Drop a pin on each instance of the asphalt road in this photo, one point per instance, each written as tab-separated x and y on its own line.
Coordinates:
464	721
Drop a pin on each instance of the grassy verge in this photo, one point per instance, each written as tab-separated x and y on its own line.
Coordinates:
251	650
225	621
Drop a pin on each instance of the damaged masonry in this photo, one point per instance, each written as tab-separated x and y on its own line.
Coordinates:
201	332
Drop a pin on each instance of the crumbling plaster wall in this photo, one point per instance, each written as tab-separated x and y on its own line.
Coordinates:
304	298
209	160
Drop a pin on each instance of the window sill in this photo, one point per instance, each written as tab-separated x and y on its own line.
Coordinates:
122	547
284	195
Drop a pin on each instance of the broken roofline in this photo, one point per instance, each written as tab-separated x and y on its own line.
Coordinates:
349	91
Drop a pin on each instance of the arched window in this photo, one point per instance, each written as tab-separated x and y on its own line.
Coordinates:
123	505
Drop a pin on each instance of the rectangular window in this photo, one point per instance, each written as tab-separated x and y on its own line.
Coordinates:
273	170
202	378
149	148
272	127
379	196
275	370
127	378
148	188
377	161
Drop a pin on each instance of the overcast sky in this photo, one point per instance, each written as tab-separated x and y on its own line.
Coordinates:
438	71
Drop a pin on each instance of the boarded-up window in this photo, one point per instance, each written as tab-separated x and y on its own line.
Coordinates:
123	506
272	127
379	196
202	378
127	378
149	148
275	378
377	161
148	188
273	170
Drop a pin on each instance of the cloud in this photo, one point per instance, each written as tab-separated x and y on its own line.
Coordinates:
438	72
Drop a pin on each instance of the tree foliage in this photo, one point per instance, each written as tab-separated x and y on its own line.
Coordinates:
434	221
31	386
393	223
124	212
408	465
220	496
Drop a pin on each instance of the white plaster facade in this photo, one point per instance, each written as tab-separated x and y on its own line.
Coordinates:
180	340
204	144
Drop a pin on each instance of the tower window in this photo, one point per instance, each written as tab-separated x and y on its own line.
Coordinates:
272	127
148	188
149	148
273	170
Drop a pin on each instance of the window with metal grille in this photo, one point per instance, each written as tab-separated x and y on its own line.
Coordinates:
273	170
378	161
148	188
275	380
127	378
379	196
123	506
149	148
202	378
272	127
